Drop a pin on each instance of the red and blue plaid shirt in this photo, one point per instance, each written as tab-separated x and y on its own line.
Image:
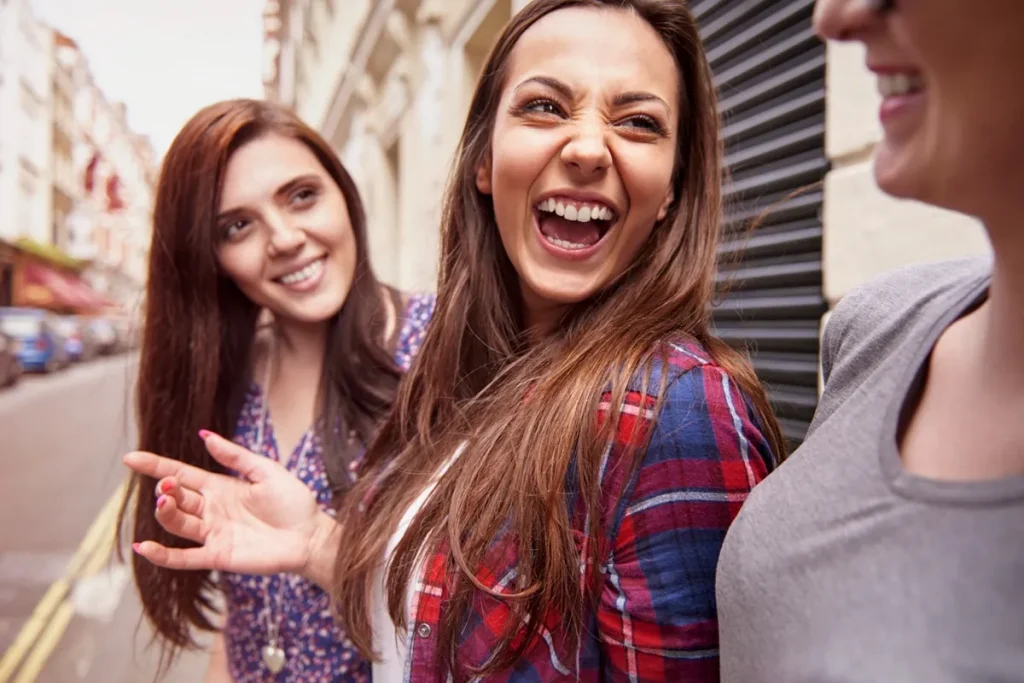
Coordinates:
655	618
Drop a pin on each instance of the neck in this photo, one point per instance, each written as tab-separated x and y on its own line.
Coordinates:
1003	313
540	318
300	347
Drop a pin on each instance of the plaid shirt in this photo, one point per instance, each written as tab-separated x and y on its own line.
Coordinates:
655	619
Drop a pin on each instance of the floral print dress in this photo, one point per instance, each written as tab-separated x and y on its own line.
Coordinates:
316	648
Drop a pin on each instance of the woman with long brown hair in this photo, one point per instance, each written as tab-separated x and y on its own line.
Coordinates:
256	216
548	497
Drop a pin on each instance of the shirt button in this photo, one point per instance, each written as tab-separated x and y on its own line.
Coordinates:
423	630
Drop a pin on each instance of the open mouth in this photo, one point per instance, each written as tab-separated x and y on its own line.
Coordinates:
573	225
304	275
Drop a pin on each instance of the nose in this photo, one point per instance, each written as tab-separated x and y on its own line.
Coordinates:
847	19
587	152
285	235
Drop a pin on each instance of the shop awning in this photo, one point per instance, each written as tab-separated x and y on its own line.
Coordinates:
50	254
46	287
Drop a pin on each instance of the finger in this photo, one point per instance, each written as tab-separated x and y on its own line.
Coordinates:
188	501
176	558
251	466
159	467
179	523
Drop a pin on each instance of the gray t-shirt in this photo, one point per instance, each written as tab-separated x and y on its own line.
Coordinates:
842	567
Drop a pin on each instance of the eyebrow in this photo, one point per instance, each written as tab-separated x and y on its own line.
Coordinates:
620	100
283	191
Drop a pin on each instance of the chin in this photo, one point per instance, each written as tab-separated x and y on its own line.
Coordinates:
311	313
562	290
898	176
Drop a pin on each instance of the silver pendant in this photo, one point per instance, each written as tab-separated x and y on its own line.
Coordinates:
273	657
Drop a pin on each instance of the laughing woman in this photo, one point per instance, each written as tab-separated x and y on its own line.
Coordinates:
254	213
548	497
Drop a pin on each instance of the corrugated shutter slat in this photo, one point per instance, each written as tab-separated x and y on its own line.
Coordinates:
770	73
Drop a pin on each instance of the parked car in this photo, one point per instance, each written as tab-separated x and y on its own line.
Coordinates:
103	335
10	366
41	345
77	343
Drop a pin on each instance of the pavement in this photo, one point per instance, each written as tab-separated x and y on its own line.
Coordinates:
68	609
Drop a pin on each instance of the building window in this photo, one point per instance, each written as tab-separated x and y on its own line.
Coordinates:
309	34
28	31
27	178
30	102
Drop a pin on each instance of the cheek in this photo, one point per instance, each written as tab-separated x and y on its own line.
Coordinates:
238	264
647	179
518	156
242	264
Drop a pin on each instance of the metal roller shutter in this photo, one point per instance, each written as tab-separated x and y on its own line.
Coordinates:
770	72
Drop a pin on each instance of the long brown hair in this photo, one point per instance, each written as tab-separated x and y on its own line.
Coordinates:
198	337
475	368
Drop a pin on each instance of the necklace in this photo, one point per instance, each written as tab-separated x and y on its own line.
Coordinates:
273	654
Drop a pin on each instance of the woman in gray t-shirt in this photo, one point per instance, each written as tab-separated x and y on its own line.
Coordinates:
890	547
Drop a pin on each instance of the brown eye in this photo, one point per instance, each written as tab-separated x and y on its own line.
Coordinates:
304	196
543	107
233	228
645	123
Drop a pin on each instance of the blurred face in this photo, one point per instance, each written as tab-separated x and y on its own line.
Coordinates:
583	152
953	103
284	232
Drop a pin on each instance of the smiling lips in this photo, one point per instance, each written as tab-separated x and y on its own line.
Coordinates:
304	278
899	88
573	225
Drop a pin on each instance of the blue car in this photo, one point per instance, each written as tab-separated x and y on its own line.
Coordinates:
41	347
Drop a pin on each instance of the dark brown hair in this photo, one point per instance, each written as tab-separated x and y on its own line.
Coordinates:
475	368
198	336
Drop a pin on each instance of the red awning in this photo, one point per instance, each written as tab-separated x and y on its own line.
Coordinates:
50	288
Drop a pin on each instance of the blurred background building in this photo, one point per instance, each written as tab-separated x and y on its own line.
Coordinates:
388	83
76	182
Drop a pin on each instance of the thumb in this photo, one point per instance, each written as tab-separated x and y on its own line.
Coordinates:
246	463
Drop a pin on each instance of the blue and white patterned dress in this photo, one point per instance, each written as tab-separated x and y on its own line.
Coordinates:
317	649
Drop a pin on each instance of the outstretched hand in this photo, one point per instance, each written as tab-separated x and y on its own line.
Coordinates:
265	521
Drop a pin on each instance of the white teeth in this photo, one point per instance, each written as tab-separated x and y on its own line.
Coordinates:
304	274
579	213
564	244
899	84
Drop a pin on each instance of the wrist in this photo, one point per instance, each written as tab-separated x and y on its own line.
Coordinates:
323	541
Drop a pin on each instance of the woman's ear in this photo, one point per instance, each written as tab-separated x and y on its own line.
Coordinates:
483	176
670	197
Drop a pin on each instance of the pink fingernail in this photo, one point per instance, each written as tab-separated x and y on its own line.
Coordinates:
166	486
135	547
204	433
160	502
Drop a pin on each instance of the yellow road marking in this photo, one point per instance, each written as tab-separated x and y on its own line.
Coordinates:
46	644
45	622
57	626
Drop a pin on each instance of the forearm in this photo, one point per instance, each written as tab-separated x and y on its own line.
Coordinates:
323	548
217	669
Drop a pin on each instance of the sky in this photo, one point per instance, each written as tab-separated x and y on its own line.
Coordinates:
165	59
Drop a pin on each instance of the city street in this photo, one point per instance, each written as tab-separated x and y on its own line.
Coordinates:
67	612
